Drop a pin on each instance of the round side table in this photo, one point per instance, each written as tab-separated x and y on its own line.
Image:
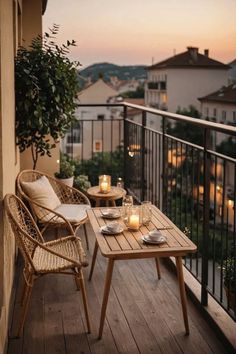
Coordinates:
109	198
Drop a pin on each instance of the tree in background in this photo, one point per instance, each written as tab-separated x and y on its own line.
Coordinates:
186	131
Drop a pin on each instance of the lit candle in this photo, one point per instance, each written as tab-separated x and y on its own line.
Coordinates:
134	222
104	187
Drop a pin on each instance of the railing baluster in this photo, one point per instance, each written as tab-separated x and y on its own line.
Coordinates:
143	149
164	166
206	212
126	144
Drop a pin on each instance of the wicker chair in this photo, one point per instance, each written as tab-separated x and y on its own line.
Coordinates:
68	196
61	256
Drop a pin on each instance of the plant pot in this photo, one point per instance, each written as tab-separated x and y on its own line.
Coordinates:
68	181
231	297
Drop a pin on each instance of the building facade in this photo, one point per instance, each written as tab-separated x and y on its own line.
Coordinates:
93	125
177	82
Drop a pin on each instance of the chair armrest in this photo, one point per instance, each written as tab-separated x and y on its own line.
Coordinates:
49	216
70	195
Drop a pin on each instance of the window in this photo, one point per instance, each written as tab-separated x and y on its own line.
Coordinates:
223	116
214	112
97	145
73	139
100	116
206	112
69	150
234	117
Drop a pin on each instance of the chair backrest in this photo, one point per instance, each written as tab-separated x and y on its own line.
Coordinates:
33	175
26	231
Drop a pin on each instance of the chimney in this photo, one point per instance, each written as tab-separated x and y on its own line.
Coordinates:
206	52
193	52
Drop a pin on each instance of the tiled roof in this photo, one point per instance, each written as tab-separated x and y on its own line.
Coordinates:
224	95
189	59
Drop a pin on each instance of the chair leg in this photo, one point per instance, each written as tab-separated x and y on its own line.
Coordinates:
26	300
77	282
84	298
86	236
158	268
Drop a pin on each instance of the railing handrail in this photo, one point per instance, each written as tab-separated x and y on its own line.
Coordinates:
223	128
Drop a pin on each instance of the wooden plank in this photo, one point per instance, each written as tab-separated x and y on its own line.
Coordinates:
171	314
115	316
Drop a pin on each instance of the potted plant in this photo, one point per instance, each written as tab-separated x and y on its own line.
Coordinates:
66	173
82	183
46	87
229	275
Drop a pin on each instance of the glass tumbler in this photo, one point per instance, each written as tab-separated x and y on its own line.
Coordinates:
146	210
127	202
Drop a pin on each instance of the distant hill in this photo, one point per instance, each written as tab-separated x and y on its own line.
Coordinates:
106	70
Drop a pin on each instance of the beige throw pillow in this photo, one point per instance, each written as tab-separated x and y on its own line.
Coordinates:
41	192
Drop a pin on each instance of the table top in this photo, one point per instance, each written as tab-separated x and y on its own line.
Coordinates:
115	193
128	244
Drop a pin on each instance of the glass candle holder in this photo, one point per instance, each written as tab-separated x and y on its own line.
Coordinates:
104	184
146	210
134	218
127	202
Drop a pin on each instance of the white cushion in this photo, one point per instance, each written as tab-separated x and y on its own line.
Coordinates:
41	192
73	212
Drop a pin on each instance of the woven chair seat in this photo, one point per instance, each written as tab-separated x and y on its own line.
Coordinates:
45	262
74	213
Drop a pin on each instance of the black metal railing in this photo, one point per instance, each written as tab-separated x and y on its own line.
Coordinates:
190	181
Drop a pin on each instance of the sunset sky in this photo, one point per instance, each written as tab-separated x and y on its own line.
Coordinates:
135	31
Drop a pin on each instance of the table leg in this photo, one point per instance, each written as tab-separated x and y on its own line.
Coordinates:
105	295
183	298
158	268
93	259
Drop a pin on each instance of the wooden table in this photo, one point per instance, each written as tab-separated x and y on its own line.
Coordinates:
114	194
128	245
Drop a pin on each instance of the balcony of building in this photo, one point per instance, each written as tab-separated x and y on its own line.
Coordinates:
194	186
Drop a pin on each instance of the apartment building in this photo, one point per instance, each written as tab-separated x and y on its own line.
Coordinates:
92	122
177	82
220	107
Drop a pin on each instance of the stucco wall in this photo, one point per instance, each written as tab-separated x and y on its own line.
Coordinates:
184	87
8	161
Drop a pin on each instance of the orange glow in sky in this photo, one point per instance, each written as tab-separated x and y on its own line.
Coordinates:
135	31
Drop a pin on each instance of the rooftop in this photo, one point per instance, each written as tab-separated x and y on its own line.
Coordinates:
227	94
190	59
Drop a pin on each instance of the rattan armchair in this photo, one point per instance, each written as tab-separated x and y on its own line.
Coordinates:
62	256
68	196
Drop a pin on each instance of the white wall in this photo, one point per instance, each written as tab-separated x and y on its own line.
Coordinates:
185	86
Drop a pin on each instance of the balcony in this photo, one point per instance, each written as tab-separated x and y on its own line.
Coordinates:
157	85
195	187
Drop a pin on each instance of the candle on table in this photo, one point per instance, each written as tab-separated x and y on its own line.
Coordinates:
134	222
104	187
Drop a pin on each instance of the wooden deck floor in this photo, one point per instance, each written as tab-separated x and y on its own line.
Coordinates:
143	315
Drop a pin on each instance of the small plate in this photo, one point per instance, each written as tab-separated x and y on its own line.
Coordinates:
104	230
146	239
110	214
